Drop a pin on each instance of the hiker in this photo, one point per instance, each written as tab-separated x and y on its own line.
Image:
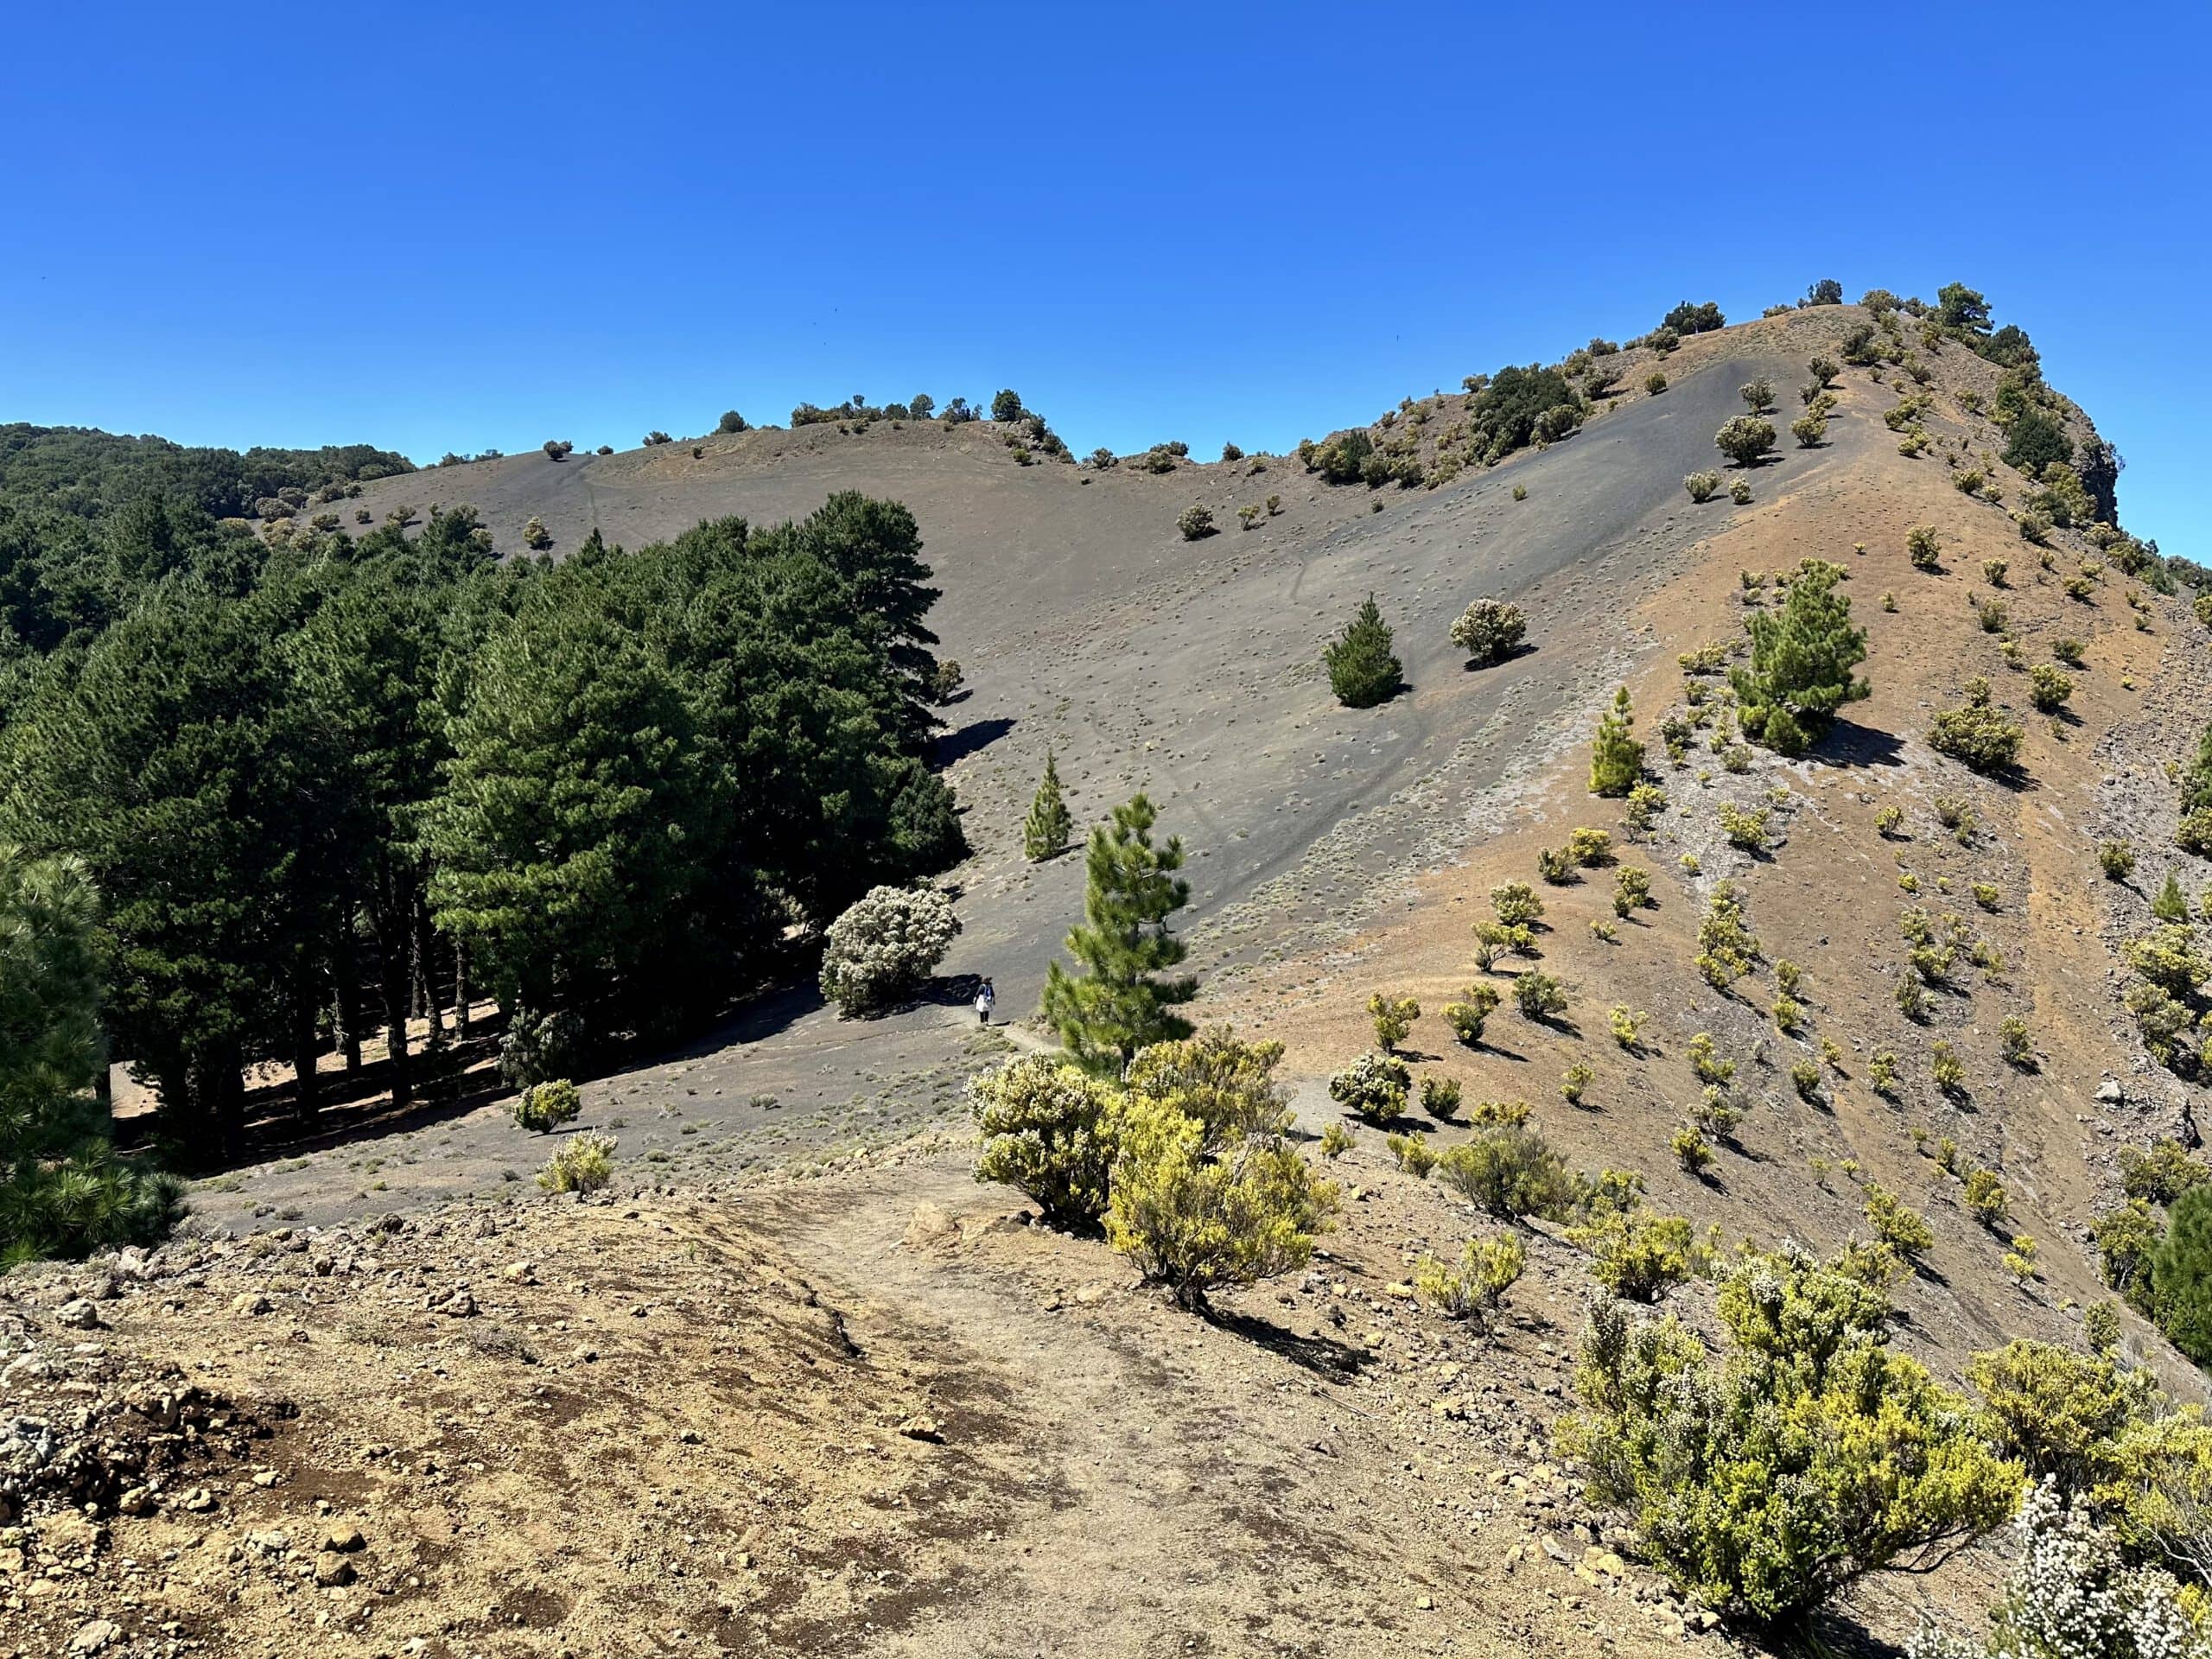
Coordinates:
985	996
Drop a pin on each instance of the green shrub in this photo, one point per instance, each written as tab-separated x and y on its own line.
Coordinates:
1739	491
1538	995
1726	948
1466	1016
1809	430
2049	688
1576	1079
1195	522
1516	903
1702	486
2015	1042
1048	1131
543	1107
1924	545
1412	1154
1982	737
1509	1170
2168	957
1638	1255
1195	1212
1393	1018
1985	1198
1439	1096
1946	1068
1744	829
1488	1268
2161	1173
1590	848
584	1163
1631	890
1654	383
1895	1223
1691	1149
2117	859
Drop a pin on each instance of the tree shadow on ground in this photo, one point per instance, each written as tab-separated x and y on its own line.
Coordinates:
1846	743
955	746
1324	1356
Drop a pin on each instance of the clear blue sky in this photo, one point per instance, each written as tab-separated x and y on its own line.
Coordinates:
459	227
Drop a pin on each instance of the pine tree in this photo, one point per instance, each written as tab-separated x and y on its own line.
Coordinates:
1361	670
2181	1273
62	1190
1801	659
2172	904
1118	1004
1044	833
1616	757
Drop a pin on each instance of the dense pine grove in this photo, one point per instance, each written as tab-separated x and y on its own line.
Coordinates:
317	781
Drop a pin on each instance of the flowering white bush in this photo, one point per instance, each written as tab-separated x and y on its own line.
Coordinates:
2072	1597
1373	1087
885	944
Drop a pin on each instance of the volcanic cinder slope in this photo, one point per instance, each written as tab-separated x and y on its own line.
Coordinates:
805	1387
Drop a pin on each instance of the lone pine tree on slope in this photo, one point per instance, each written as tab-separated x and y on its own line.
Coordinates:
1616	757
1045	832
1363	669
1118	1004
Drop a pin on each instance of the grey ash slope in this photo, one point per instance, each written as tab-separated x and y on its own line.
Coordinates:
1086	623
1191	670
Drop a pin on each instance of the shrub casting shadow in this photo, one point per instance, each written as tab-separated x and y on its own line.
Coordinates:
1524	649
1323	1355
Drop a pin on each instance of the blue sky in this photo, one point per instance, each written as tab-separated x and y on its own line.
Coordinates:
455	227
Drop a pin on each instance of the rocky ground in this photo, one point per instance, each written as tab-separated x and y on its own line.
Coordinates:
875	1411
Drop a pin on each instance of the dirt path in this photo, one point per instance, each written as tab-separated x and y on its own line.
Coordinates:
1180	1485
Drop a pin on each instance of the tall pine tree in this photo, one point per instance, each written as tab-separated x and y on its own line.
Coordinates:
1802	658
1363	671
1119	1004
1616	757
1045	832
62	1192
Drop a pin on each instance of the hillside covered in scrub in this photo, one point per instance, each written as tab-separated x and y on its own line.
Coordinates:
1596	1030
